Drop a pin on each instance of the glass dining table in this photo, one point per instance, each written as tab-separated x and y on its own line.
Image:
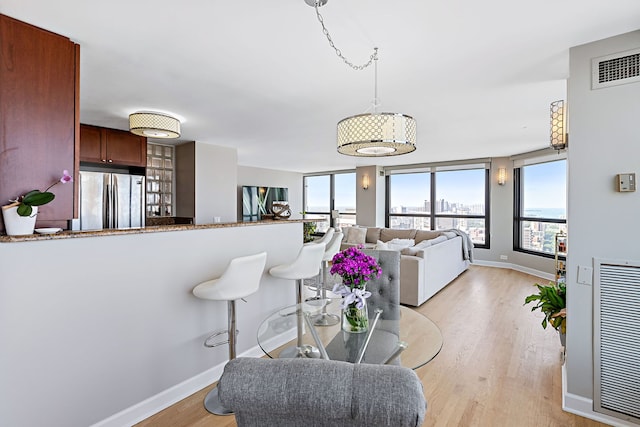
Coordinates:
400	336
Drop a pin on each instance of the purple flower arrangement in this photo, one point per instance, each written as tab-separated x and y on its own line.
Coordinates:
356	269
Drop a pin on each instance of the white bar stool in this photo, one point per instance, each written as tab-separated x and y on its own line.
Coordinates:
325	240
305	266
332	248
240	279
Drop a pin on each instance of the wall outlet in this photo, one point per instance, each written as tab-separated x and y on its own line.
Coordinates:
504	257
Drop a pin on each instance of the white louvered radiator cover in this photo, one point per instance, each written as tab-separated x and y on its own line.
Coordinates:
617	339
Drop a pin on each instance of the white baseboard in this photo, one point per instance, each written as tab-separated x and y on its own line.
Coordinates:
154	404
516	267
583	407
151	406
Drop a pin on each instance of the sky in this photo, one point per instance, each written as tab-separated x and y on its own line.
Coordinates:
546	185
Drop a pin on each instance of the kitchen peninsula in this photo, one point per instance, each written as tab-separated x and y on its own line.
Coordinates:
107	328
141	230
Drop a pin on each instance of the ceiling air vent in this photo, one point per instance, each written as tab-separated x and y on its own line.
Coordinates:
617	69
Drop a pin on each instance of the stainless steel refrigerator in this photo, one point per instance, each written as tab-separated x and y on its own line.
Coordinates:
111	200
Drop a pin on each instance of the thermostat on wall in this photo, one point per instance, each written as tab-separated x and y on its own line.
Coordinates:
626	181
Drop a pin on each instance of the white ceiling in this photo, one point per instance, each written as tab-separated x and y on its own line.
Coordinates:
259	76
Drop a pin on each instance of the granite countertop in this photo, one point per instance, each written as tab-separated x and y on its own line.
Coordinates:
68	234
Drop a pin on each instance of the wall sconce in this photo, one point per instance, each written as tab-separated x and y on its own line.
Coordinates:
559	136
502	176
365	182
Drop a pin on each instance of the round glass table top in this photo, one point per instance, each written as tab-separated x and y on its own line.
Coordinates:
403	335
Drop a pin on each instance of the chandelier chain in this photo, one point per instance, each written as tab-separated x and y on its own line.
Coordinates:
325	31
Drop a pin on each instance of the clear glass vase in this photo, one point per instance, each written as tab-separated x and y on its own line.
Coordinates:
355	320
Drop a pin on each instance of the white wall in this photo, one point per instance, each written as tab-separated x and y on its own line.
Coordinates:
91	326
215	177
372	198
603	141
272	178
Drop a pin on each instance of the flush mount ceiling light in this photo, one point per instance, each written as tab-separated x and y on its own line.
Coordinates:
559	136
371	134
154	125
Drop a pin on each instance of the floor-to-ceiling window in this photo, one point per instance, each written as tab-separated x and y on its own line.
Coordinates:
540	206
439	198
331	198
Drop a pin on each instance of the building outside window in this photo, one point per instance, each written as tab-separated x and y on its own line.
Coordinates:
540	206
330	193
441	198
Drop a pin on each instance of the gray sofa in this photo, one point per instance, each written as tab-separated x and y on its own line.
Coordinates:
434	260
314	392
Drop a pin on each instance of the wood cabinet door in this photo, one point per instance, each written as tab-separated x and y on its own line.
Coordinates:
125	148
92	144
38	118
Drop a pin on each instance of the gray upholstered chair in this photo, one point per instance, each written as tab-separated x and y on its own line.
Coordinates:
313	392
385	290
385	295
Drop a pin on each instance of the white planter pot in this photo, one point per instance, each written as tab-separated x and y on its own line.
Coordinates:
16	225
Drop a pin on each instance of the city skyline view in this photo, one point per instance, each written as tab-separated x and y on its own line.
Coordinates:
458	192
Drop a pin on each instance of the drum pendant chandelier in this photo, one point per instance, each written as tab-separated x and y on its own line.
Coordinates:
371	134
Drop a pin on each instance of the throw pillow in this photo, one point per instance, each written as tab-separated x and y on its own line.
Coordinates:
396	244
413	250
373	234
357	235
345	232
381	246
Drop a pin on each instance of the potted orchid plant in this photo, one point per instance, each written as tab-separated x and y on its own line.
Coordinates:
20	215
356	269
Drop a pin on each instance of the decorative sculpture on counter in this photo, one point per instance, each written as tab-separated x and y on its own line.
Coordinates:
280	210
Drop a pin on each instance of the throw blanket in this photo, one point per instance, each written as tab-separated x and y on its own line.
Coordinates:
467	244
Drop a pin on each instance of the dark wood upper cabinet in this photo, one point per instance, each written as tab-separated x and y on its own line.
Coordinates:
91	144
112	146
39	112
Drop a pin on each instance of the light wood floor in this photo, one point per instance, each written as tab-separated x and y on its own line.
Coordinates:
497	367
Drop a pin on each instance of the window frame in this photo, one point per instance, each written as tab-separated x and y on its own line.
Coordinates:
332	196
432	215
518	208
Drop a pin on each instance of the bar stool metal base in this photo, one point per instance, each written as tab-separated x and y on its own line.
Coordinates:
212	403
304	351
325	319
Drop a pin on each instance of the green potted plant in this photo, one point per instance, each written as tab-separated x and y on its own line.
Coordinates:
20	216
308	228
551	300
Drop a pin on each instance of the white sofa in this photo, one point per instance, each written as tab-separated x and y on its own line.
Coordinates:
434	260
